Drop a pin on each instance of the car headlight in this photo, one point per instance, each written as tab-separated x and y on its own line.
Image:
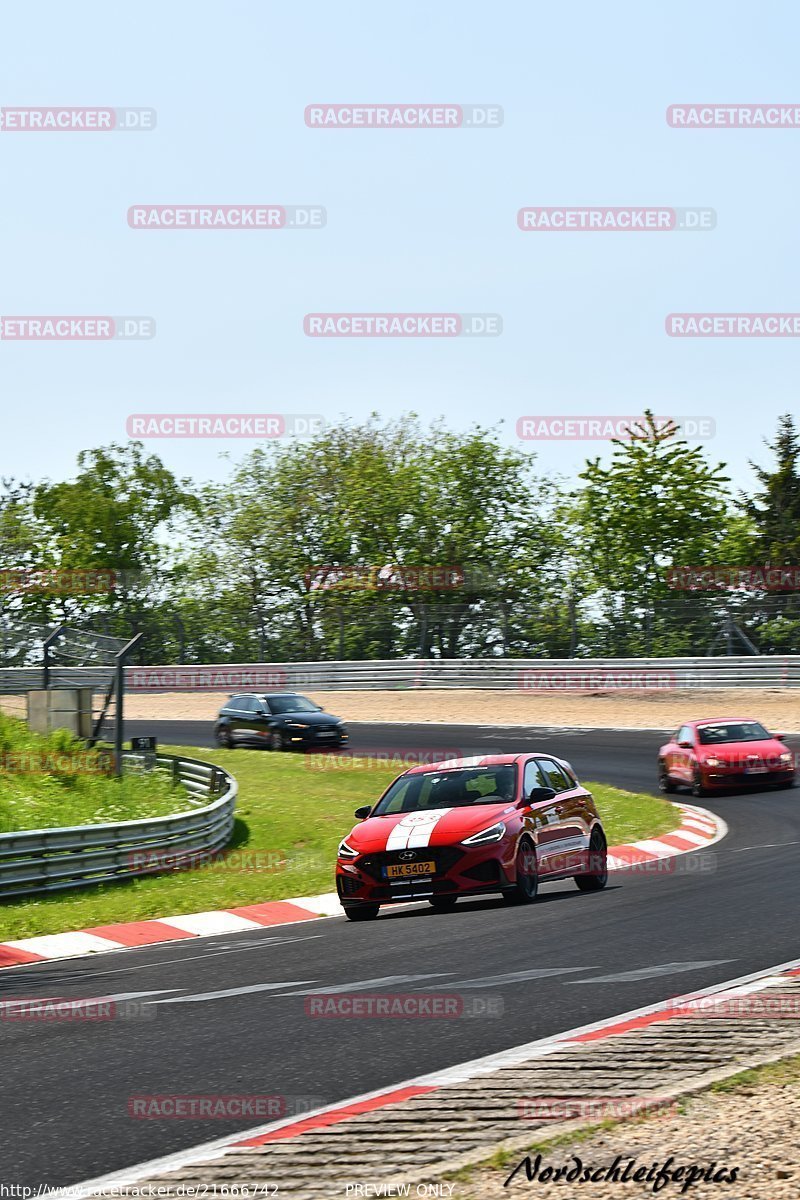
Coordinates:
787	757
715	762
492	834
346	851
295	725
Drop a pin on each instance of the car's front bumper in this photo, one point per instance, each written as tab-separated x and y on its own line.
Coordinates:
459	871
317	739
721	778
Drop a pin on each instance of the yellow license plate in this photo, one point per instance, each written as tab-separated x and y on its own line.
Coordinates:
406	870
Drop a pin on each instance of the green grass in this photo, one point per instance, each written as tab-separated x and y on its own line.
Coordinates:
291	816
53	781
784	1073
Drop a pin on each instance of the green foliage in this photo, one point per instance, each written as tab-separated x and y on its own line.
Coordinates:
236	571
53	781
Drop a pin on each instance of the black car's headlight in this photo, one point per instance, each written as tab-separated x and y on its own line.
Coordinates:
493	834
346	851
296	725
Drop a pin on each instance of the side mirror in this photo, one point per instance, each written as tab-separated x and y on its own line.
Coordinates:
538	795
781	737
686	745
363	812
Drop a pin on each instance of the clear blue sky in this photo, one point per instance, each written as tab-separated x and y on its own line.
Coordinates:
417	220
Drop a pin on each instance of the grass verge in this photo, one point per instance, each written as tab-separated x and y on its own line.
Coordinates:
52	781
291	816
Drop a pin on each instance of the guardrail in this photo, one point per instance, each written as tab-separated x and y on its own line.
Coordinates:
521	674
46	860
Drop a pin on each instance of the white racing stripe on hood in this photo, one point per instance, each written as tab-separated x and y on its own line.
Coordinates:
415	829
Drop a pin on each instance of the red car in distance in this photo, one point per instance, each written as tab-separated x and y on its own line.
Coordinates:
724	752
499	823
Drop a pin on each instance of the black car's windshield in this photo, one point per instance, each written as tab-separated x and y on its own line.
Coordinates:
731	731
450	789
289	704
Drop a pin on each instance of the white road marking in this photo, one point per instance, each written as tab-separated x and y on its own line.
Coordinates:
165	962
363	985
240	991
765	846
651	972
487	981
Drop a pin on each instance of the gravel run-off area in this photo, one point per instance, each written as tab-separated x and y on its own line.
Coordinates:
755	1128
778	708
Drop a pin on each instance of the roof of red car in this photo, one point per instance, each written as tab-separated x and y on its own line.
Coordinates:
721	720
477	760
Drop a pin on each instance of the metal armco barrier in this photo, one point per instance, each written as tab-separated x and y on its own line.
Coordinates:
513	674
46	860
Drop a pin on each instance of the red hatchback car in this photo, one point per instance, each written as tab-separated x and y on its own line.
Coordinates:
470	826
724	752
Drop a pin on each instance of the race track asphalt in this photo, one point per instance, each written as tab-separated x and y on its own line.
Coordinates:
66	1086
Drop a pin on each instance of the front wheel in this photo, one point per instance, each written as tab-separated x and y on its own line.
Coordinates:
596	878
276	741
526	885
224	739
361	912
698	789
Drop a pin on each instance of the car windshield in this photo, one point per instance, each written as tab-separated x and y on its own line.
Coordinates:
731	731
450	789
289	704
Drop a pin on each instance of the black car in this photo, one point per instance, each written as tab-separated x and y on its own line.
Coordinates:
278	720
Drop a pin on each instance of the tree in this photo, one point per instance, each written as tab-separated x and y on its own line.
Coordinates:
775	509
328	548
656	505
109	518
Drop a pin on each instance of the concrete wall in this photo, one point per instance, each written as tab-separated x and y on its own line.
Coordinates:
61	708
